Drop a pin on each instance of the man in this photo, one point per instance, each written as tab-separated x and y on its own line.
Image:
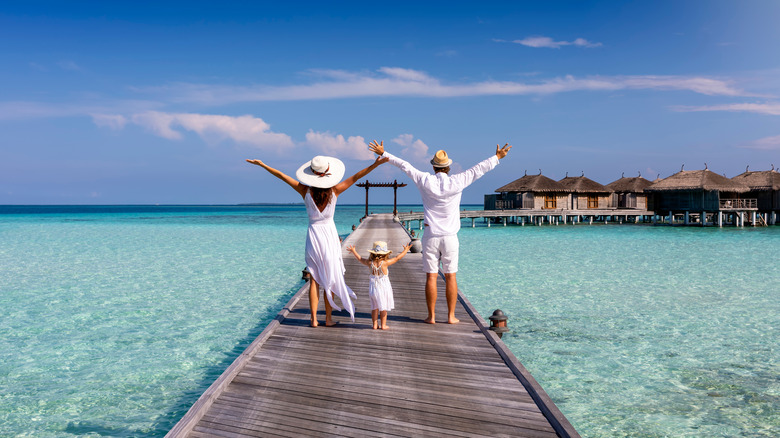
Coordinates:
441	193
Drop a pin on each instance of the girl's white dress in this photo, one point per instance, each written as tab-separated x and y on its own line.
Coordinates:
323	254
379	289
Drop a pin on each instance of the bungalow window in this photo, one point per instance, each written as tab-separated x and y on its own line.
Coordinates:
593	202
550	202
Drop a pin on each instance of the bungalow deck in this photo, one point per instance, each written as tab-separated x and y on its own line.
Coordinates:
412	380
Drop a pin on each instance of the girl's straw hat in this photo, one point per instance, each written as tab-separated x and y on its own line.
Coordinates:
440	159
323	172
380	248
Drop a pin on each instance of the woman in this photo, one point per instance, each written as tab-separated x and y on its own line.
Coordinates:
318	184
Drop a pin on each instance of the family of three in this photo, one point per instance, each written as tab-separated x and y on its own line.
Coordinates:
319	182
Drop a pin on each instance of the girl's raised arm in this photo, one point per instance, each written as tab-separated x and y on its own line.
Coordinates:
351	249
294	183
344	185
400	255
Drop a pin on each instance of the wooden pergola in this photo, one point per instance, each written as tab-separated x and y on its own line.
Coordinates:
393	184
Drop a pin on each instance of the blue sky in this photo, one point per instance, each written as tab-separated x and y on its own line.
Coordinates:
143	103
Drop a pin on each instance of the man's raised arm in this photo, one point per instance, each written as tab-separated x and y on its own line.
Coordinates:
474	173
379	149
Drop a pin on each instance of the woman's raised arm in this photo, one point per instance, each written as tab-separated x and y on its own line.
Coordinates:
294	183
344	185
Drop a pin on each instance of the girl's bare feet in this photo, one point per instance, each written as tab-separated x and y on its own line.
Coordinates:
430	320
453	320
314	324
385	327
330	323
376	324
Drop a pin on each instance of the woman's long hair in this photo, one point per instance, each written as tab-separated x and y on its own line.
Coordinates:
320	196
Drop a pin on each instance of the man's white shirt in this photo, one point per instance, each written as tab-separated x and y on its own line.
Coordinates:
441	193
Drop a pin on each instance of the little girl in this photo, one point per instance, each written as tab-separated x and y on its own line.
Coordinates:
379	289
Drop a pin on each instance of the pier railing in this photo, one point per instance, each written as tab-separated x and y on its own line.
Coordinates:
738	204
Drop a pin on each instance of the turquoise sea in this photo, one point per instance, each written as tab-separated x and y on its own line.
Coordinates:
114	319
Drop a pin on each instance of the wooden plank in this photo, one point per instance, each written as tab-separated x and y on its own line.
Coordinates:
414	379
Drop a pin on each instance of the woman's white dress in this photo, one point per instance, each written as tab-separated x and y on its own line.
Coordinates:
323	254
379	289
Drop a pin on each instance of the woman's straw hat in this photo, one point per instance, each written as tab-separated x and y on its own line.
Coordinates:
440	159
323	172
380	248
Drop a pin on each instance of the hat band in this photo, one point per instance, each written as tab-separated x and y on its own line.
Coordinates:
321	174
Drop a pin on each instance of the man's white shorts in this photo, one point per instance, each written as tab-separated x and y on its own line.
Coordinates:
444	249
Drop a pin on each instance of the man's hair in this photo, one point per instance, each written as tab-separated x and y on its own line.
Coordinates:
441	169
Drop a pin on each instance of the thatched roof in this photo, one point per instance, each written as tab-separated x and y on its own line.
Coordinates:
697	180
583	184
760	180
626	184
533	183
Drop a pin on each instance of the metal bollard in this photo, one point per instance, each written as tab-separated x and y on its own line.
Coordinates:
498	322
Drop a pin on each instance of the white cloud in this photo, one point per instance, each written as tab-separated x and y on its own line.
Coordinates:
392	81
413	150
213	128
767	143
354	148
113	121
157	122
772	109
547	42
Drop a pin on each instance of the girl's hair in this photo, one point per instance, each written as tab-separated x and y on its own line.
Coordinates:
320	196
373	257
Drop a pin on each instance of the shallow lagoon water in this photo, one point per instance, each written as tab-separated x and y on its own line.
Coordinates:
115	319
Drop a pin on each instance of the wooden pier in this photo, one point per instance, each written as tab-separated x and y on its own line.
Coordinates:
414	379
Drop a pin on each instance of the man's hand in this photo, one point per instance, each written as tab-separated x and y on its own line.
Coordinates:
257	162
502	151
377	148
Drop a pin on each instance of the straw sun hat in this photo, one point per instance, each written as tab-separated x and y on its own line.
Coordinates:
440	159
322	172
380	248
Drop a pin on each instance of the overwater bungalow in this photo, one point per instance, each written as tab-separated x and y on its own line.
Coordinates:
765	188
585	193
529	192
702	196
629	193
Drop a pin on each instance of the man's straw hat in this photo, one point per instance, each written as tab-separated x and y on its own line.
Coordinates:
440	159
322	172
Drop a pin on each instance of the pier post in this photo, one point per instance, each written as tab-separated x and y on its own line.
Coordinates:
753	217
472	222
687	218
488	222
504	220
774	218
720	219
591	221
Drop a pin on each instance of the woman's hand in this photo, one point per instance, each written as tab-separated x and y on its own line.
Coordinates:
381	160
256	162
